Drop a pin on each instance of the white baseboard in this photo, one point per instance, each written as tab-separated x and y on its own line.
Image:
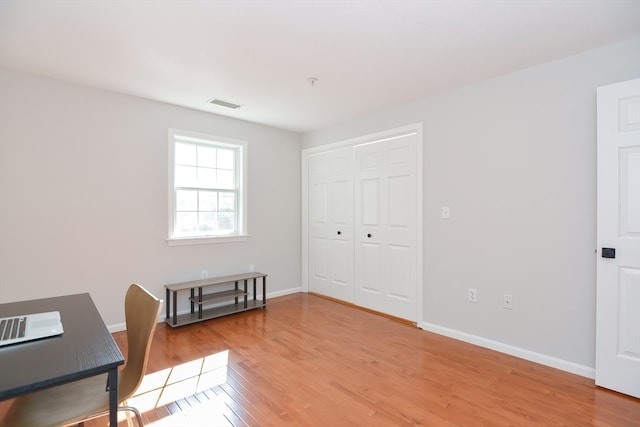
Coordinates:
118	327
522	353
123	326
283	293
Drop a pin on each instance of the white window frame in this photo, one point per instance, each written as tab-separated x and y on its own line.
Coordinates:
176	135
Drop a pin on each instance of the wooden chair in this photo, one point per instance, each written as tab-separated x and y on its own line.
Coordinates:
83	400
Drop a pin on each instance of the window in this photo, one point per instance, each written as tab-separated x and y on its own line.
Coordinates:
207	200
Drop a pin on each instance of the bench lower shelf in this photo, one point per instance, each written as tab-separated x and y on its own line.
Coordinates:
212	313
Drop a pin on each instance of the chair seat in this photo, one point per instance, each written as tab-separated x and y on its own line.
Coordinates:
50	407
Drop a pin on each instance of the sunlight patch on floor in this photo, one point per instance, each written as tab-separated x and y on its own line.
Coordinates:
205	415
183	381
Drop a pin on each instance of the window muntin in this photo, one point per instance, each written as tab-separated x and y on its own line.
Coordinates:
206	186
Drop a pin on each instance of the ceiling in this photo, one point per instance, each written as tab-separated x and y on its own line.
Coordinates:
366	54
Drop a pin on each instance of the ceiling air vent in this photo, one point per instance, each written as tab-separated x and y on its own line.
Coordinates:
222	103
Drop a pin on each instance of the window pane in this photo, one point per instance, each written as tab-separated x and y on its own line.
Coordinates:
227	202
226	159
185	154
206	178
208	201
186	223
207	223
185	176
186	200
206	156
226	221
226	179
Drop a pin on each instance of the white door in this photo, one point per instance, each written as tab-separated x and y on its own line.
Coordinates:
330	216
618	274
386	226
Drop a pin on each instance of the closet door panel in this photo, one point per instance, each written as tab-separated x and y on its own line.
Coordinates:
385	215
370	278
318	257
331	224
399	266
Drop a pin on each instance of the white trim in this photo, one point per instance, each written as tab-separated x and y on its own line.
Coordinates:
283	293
417	127
118	327
414	128
304	167
364	139
207	240
532	356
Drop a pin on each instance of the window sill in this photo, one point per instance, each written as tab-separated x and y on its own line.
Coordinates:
206	240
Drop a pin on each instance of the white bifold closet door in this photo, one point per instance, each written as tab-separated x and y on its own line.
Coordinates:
385	226
362	224
330	221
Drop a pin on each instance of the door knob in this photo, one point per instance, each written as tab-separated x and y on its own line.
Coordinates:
608	252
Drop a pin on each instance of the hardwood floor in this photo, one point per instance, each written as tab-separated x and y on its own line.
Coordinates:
308	361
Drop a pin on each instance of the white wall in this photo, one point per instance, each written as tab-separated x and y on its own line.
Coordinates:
515	159
83	196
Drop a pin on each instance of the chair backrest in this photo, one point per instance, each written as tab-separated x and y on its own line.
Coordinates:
141	313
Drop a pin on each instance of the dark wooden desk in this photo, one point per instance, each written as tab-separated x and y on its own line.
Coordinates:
85	349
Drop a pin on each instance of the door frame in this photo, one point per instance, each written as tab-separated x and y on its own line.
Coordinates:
352	142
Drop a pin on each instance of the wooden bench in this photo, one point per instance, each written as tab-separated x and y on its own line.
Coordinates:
228	301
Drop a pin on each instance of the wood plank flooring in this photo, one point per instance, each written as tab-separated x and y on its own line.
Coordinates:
308	361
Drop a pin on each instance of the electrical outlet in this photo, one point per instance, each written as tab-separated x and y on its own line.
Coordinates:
446	213
472	295
507	302
203	274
